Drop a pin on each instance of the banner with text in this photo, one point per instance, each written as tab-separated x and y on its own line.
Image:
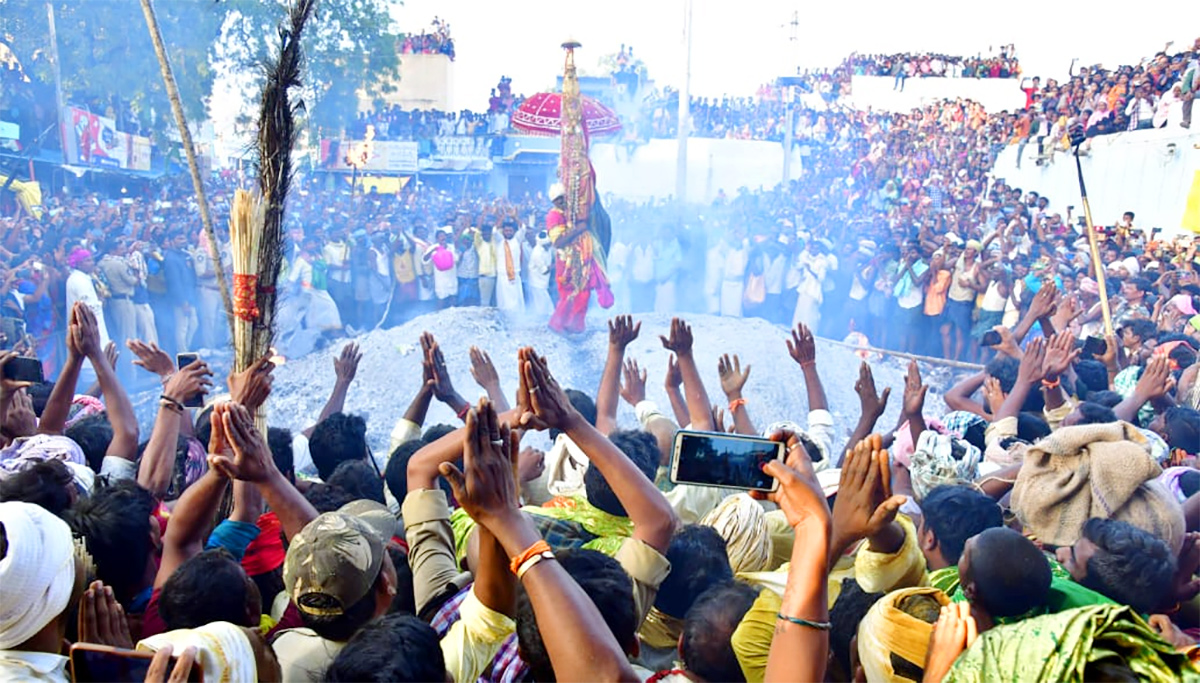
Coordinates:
94	140
379	156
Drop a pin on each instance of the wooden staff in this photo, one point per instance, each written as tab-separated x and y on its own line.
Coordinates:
189	149
1077	138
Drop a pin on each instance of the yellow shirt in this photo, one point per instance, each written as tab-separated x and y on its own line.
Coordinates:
487	255
473	641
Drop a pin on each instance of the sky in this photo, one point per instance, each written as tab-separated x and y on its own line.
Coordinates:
736	46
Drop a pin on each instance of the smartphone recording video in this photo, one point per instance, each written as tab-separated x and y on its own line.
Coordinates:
94	663
726	460
183	360
24	370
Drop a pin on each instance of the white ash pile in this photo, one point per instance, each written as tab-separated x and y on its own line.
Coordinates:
390	371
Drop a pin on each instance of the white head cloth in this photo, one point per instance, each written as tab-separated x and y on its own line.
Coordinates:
37	572
223	650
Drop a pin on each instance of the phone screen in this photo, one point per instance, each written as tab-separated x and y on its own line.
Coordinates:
100	663
183	360
24	370
728	460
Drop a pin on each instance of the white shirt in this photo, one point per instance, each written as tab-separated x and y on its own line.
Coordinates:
19	666
642	259
540	263
81	288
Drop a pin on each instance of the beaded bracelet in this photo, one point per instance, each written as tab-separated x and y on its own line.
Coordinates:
819	625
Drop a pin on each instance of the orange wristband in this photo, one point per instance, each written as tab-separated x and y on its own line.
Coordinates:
536	549
1051	385
736	403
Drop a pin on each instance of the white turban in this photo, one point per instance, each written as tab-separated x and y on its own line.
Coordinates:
740	520
223	650
37	571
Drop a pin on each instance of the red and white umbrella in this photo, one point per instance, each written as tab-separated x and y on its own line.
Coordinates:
541	114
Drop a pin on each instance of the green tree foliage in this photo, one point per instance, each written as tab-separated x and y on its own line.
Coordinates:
351	46
108	62
107	59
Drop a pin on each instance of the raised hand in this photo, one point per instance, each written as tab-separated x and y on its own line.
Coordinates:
622	331
161	671
102	619
1008	343
346	364
680	341
733	378
1044	302
189	381
549	407
151	358
1109	357
443	386
953	633
19	420
799	494
1156	380
633	388
873	404
251	459
1069	309
802	347
1060	354
483	371
486	487
252	386
1033	363
993	394
674	377
531	462
111	354
84	332
914	391
9	387
865	504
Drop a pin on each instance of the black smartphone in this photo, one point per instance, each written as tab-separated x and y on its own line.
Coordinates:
1095	346
990	338
726	460
182	360
24	369
103	663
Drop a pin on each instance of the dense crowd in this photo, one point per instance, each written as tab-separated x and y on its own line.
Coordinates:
935	65
435	42
894	214
1036	533
1046	528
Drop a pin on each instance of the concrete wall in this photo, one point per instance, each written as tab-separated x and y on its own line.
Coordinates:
1135	171
877	92
712	165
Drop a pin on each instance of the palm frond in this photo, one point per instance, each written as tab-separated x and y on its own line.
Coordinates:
277	135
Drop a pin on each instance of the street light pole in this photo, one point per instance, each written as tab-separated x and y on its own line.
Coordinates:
684	114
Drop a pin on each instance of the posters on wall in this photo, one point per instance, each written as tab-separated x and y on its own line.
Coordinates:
94	140
382	156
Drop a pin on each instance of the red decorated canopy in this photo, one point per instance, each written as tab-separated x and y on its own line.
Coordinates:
542	115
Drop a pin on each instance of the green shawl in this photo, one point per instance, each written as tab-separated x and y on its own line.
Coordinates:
1059	647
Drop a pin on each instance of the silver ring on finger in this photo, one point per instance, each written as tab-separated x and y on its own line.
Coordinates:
497	442
534	388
